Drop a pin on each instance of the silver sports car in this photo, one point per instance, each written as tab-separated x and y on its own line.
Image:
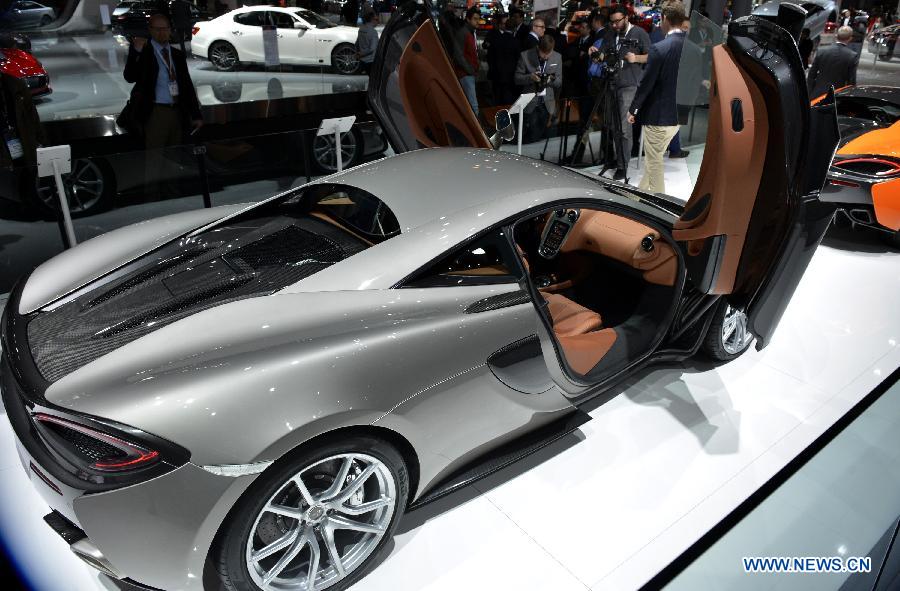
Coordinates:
250	398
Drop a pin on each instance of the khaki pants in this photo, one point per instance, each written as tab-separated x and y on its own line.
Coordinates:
163	129
656	142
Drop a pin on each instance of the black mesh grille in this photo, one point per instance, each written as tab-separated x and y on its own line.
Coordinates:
221	266
84	445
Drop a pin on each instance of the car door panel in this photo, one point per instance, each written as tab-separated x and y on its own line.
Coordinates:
246	37
295	46
414	91
755	202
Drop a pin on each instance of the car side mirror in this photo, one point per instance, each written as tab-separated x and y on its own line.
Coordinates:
506	131
300	26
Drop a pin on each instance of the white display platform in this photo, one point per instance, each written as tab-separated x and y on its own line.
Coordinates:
674	451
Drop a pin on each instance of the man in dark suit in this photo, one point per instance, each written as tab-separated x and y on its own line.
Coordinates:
502	58
517	24
834	65
542	61
163	98
654	103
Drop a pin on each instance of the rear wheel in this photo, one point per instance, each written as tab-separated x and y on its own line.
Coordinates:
90	188
728	336
223	56
325	156
317	521
344	59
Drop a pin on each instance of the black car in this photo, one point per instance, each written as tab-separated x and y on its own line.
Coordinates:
131	17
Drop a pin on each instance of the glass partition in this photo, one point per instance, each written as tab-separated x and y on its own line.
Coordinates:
29	230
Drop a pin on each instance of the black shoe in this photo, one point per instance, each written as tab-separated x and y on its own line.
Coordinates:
620	176
679	154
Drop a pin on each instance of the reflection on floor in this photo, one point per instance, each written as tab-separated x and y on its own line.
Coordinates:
666	456
86	76
843	503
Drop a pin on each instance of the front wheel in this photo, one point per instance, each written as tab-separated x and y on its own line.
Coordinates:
728	336
344	59
317	521
223	56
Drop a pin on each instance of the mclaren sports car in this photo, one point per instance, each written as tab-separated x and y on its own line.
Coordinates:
864	180
252	397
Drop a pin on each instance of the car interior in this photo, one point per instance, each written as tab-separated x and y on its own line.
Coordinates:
608	283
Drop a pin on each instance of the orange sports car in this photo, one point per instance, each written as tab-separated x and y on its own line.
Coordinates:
864	178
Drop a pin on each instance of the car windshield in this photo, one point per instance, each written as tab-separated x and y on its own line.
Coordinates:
317	20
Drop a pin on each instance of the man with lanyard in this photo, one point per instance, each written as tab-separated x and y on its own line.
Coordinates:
164	99
629	76
539	71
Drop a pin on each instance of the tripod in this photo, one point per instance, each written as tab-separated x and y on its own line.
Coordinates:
607	103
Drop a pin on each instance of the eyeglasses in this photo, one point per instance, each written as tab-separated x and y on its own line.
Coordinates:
617	21
538	26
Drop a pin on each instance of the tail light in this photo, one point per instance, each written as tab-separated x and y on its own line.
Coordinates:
96	450
878	167
195	30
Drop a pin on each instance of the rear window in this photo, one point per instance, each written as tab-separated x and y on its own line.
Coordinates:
251	19
356	211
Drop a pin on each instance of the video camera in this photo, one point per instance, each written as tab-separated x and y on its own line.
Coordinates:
612	58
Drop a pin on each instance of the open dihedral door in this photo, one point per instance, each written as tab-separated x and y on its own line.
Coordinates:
413	90
754	219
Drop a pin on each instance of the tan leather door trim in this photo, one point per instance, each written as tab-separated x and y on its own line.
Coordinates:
436	107
731	170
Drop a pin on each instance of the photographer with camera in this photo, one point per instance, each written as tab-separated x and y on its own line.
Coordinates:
654	103
622	54
539	71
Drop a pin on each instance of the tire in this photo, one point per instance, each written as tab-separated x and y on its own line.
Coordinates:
253	529
324	156
724	347
90	188
344	59
224	56
46	20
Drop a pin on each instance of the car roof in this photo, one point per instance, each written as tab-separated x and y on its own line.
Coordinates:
424	185
443	196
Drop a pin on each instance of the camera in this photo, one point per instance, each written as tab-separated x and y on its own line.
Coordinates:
612	58
544	81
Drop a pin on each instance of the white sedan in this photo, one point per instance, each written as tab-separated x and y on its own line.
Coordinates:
304	38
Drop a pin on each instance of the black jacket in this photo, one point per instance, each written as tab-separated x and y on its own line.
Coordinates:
502	56
142	70
23	117
655	100
834	65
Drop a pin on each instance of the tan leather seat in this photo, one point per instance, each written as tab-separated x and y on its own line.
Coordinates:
569	318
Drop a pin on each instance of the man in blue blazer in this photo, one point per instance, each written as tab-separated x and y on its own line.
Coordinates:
654	105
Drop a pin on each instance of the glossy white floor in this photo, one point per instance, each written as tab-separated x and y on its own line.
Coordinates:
662	461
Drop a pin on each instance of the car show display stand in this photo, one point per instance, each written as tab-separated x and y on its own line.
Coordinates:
337	126
56	161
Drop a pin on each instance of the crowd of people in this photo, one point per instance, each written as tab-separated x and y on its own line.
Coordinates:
607	58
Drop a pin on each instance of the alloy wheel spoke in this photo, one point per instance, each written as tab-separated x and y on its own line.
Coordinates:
286	558
339	522
333	554
284	511
339	479
353	485
366	507
315	552
304	492
279	544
